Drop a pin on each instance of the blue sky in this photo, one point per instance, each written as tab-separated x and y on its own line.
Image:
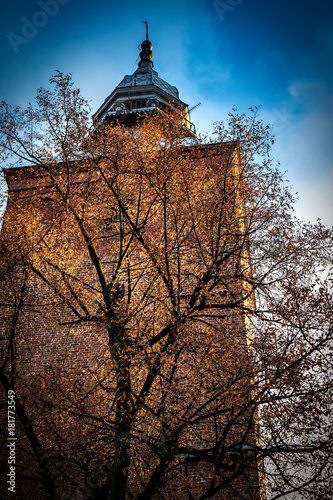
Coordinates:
277	54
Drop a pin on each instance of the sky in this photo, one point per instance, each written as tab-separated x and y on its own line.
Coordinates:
224	54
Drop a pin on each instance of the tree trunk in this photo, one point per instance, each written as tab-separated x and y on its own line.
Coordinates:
121	459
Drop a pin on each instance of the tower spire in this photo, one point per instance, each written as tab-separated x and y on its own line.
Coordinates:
146	23
146	54
143	91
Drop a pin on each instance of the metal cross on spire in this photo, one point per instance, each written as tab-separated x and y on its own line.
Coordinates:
146	23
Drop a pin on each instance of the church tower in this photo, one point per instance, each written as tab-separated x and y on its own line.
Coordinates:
142	92
126	291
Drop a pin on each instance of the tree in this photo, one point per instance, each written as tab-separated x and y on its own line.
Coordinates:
160	300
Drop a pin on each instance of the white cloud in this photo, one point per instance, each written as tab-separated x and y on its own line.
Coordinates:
305	150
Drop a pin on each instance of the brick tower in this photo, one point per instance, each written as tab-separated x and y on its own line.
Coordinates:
125	311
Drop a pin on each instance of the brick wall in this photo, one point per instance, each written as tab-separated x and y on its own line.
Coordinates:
63	364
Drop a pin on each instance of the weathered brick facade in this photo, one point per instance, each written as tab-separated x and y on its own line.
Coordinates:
125	297
51	349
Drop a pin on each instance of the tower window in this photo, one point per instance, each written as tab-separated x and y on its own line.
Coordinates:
141	103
